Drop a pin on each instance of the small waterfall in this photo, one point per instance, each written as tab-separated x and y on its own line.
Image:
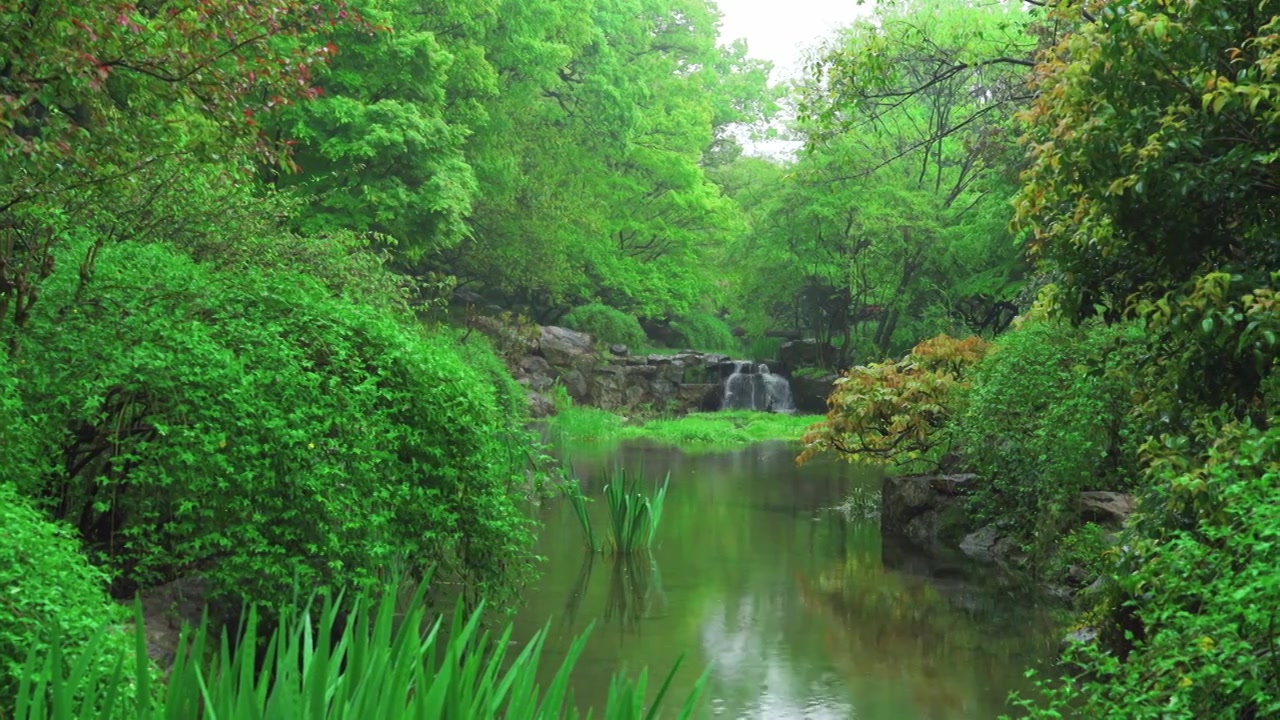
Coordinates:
753	387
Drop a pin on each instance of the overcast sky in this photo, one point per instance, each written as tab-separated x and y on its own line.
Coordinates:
779	30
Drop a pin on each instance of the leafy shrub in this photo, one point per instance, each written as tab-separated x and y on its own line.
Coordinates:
706	332
50	593
894	412
1195	607
608	325
1044	420
255	428
1086	546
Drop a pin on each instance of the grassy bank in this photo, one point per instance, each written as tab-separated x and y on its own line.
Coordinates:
697	431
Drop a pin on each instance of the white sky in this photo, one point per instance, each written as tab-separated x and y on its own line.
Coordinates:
779	30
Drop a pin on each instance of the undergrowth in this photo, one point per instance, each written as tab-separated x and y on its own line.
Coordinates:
379	661
706	431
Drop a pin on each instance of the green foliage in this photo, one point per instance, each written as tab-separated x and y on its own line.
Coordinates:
378	660
1152	139
608	325
381	149
1086	547
1200	637
633	516
573	423
52	599
718	430
1045	418
695	431
894	413
253	427
707	333
895	215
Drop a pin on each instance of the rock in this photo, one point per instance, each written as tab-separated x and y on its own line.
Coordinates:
810	393
167	608
698	397
927	510
980	544
563	347
1077	575
536	373
618	349
1061	592
1109	509
803	353
1084	635
1097	586
576	384
540	406
955	484
466	297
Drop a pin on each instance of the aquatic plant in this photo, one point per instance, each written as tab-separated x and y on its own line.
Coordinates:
321	663
633	516
578	502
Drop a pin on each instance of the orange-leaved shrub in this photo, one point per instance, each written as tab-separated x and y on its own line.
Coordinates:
890	413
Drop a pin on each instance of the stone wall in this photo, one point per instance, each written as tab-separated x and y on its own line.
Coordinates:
613	379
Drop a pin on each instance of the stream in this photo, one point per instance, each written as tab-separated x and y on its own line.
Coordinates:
795	610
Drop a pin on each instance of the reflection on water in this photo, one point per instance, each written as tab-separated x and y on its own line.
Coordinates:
798	612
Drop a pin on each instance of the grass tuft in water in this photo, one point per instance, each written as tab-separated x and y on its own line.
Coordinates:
324	663
633	516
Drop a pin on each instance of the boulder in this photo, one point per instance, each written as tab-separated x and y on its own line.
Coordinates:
803	353
928	510
536	373
810	393
576	384
563	347
980	544
540	406
618	349
1109	509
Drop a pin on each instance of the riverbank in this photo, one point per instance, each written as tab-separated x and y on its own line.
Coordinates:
692	432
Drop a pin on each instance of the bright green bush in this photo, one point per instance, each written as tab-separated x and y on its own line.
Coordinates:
1042	421
608	325
706	332
50	593
1192	631
256	428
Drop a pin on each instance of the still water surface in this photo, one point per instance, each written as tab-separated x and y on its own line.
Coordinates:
797	611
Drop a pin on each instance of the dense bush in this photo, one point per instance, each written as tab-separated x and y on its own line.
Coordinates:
253	427
896	413
48	589
1195	633
706	332
1043	420
608	325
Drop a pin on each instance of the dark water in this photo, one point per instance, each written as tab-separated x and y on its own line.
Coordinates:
797	611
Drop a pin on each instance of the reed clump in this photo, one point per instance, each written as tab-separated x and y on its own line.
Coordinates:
330	660
633	515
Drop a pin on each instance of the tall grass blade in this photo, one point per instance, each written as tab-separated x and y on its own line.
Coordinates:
349	660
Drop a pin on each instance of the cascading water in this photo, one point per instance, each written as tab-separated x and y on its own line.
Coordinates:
753	387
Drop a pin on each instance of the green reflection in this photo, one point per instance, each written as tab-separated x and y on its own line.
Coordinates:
799	612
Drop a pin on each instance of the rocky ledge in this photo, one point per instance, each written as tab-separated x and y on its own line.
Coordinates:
929	511
613	379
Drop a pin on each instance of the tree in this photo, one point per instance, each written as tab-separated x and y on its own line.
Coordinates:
108	112
1152	187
